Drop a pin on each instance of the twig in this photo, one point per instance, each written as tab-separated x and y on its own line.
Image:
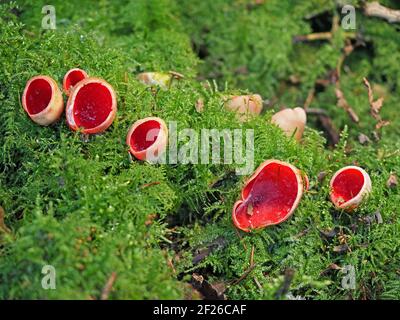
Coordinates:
302	233
240	239
244	275
320	36
146	185
108	286
342	103
316	111
309	99
284	289
248	271
326	123
375	9
341	100
252	256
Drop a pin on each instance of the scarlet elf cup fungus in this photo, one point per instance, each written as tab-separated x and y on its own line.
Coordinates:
71	78
349	186
92	106
147	138
42	100
291	121
270	196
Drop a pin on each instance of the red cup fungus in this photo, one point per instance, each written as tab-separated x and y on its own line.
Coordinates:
270	196
245	105
92	106
42	100
71	78
291	121
349	186
147	138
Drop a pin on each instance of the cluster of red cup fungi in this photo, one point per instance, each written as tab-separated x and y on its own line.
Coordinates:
271	194
91	108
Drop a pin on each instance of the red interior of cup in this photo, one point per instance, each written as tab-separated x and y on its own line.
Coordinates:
73	78
347	185
145	135
268	198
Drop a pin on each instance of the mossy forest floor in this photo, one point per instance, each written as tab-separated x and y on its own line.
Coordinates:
152	230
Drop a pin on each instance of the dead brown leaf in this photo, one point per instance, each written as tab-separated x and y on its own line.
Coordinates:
342	248
108	286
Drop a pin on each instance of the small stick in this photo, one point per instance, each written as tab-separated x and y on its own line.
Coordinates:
375	9
150	184
2	224
316	111
240	239
252	256
258	284
375	107
309	99
341	100
318	36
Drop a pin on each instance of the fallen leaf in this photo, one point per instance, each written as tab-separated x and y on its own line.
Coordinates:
375	106
108	286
